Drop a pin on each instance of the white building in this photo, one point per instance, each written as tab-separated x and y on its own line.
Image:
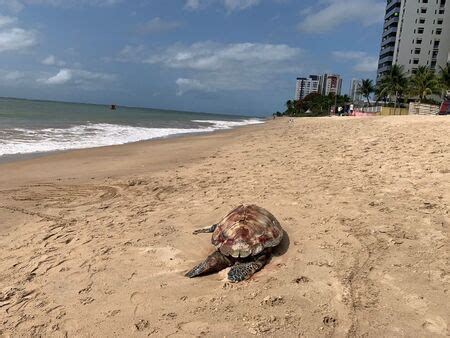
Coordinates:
416	33
306	86
330	83
354	86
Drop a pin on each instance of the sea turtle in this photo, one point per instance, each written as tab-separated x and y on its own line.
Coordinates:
244	240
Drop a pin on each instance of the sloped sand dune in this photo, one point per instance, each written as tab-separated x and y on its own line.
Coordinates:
96	242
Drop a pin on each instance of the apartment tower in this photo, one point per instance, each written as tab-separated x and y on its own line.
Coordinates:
331	84
416	33
306	86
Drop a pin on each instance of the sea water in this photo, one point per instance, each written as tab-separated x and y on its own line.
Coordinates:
29	126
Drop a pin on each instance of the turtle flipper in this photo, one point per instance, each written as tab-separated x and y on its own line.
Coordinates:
205	230
243	271
214	263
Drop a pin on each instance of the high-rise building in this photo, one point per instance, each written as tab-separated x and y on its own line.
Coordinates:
306	86
330	83
354	86
416	33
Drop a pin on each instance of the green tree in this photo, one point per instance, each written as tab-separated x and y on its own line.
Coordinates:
423	82
394	83
444	78
290	107
366	88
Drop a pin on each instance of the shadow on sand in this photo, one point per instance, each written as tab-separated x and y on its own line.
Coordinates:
283	247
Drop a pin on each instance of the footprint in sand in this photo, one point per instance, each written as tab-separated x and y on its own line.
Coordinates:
70	326
437	325
195	328
137	298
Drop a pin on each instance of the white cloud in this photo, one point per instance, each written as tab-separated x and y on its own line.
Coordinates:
363	61
215	66
6	20
11	5
79	78
13	75
230	5
240	4
15	78
337	12
214	56
18	5
186	85
158	25
51	60
129	53
63	76
15	39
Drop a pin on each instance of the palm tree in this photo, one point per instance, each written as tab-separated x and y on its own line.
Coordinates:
366	88
423	83
290	105
444	78
393	83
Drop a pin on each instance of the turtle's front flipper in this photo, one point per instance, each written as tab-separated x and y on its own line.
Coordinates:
243	271
205	230
214	263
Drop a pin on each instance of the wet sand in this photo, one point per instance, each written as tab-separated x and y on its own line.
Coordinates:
95	242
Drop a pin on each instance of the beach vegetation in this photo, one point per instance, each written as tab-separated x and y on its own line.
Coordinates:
423	83
314	104
366	88
444	78
393	85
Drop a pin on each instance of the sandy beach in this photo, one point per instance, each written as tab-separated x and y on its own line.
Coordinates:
96	242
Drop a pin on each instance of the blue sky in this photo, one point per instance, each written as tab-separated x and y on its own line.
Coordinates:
225	56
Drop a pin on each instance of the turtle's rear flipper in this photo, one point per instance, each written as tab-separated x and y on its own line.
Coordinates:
243	271
214	263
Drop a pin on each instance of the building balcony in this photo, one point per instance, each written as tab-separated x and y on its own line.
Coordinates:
388	41
389	31
384	68
394	7
385	59
393	20
387	49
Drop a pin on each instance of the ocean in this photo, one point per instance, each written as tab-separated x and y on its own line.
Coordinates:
33	127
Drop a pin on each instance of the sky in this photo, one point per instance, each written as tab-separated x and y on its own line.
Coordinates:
218	56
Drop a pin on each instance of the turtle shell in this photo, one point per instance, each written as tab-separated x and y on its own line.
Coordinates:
246	231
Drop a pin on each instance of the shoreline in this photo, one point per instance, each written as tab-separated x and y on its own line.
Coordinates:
10	158
83	160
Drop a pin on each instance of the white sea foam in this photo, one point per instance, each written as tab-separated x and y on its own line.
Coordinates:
23	141
229	124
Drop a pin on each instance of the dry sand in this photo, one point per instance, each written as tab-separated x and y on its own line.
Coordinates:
96	242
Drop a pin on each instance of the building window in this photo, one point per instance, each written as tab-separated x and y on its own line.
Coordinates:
417	51
420	30
438	31
423	10
436	44
440	21
441	11
416	61
418	41
421	20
